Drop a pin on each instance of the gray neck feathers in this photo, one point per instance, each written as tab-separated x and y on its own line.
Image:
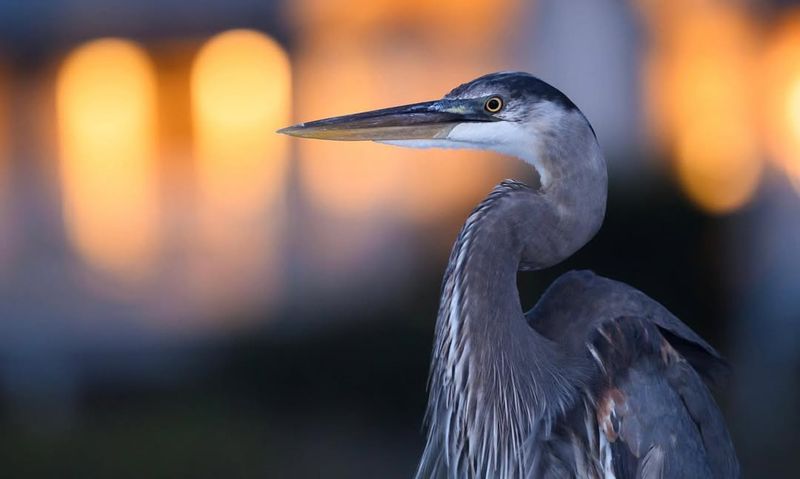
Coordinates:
572	197
493	379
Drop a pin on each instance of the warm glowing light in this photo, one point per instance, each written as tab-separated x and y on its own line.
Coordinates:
357	179
792	111
5	194
3	137
338	73
781	88
351	178
241	94
472	25
700	90
105	100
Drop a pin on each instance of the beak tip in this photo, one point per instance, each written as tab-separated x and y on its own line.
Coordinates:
289	130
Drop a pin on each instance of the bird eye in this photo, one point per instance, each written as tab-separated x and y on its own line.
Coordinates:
493	104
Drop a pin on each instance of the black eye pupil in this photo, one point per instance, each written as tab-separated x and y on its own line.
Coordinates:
494	105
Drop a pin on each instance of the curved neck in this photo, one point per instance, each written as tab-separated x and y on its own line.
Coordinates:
563	214
483	344
571	202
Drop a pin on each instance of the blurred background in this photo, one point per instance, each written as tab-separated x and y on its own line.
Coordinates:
184	293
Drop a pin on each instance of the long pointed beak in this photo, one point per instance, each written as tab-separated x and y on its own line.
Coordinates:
418	121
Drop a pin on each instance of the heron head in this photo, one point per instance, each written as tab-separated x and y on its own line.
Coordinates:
499	111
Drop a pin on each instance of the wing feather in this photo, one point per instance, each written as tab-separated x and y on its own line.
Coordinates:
654	409
647	410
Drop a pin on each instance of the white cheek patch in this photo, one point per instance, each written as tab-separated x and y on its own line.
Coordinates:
507	138
504	137
489	135
443	143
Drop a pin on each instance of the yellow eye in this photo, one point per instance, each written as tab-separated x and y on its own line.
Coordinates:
493	104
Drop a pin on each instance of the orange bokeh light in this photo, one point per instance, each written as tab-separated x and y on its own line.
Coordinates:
240	94
105	101
241	91
339	72
700	84
5	194
350	178
3	137
473	25
781	87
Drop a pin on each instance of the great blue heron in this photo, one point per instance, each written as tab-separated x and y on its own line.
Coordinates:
597	380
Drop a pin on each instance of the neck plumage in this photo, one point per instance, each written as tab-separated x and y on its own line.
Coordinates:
492	376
